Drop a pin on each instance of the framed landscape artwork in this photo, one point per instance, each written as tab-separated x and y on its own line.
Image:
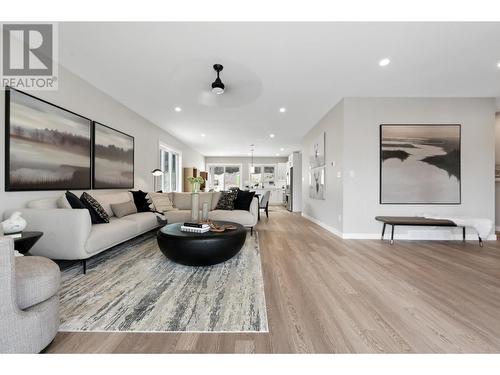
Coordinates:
46	146
113	158
420	164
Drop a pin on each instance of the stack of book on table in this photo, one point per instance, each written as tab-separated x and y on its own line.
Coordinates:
195	227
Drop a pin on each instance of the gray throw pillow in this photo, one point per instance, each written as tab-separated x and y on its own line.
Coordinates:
123	209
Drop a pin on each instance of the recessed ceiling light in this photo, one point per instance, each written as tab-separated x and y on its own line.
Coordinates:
177	109
277	154
271	135
203	134
384	62
498	65
282	109
282	149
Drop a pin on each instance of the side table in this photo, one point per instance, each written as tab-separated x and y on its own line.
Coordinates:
25	243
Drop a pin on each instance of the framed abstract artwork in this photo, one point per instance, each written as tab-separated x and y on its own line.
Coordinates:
420	164
113	166
46	147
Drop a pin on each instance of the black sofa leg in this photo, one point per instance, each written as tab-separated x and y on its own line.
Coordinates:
251	231
84	265
383	231
392	235
480	241
463	234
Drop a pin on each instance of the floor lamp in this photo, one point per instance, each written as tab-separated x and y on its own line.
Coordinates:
156	173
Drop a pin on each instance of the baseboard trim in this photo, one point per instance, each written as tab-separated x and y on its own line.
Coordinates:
397	236
452	237
323	225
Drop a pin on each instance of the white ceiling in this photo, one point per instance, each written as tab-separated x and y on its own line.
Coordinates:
305	67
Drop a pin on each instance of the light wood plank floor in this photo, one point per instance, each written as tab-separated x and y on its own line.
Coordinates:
328	295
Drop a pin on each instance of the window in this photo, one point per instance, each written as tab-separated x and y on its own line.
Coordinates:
263	176
224	177
170	165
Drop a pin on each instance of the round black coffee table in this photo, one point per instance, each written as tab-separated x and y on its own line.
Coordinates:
200	249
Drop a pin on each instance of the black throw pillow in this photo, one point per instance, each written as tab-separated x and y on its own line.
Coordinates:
140	201
97	213
226	200
74	201
243	200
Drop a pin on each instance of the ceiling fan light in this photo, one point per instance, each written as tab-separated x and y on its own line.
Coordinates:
218	90
217	85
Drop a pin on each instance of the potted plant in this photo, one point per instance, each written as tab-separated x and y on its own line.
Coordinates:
195	199
196	182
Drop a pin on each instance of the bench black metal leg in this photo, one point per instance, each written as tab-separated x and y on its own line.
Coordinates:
480	241
383	231
392	235
463	234
84	265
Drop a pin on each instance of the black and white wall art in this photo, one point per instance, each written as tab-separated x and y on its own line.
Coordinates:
420	164
317	152
317	183
317	168
113	158
46	146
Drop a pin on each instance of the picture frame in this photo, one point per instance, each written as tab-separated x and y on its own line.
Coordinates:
112	165
38	135
317	152
317	181
414	151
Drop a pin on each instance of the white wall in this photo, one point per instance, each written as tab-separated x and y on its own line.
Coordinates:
360	165
497	161
327	212
245	161
79	96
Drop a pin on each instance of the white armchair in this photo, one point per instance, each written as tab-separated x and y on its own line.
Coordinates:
29	308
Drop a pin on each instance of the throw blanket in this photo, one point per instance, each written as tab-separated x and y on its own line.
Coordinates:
483	227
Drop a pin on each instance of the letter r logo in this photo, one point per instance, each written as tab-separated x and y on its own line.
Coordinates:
27	49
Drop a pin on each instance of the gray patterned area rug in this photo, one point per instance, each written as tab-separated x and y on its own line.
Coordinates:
133	287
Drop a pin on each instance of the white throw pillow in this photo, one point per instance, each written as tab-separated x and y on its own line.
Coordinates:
62	202
160	202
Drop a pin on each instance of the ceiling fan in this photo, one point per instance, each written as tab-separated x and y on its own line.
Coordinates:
217	85
193	78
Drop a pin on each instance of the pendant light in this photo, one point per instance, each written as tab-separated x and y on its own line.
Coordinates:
252	168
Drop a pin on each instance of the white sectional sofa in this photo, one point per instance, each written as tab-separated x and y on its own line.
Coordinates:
70	235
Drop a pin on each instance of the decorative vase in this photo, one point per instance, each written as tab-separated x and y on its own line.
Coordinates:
195	208
204	212
14	224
